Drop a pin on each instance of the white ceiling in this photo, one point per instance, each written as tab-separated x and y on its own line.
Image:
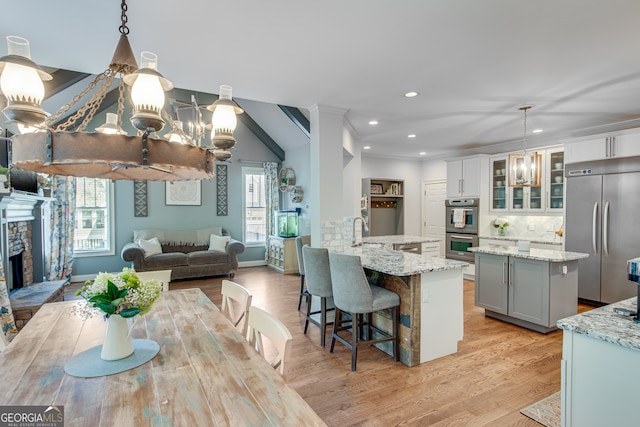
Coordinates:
473	62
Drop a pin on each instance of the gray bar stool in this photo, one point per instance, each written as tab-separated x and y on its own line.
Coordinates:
300	242
318	278
353	294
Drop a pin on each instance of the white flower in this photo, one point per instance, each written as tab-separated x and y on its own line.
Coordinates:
139	297
500	222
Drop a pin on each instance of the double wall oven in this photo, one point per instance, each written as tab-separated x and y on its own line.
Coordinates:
462	228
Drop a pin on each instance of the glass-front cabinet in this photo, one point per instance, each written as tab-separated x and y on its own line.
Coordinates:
555	176
499	184
547	197
527	199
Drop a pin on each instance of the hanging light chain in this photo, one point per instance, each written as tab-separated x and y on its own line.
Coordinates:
91	106
124	30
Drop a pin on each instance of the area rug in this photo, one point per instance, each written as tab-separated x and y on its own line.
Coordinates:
546	411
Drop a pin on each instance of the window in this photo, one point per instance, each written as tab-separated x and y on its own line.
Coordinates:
255	209
93	234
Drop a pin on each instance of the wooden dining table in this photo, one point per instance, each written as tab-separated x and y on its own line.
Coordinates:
206	374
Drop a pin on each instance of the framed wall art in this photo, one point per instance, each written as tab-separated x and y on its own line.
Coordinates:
376	188
187	193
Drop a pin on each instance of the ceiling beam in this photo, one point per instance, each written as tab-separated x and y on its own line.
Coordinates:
262	135
62	79
296	116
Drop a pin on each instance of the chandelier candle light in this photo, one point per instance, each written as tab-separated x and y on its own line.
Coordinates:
59	145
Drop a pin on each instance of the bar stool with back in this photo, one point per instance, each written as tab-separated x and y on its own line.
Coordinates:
300	242
318	278
353	294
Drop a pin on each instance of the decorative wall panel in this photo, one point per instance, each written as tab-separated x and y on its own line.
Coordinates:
221	190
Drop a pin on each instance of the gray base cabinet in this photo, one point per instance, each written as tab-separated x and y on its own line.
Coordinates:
530	293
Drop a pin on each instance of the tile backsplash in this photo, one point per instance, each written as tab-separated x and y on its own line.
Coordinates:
530	227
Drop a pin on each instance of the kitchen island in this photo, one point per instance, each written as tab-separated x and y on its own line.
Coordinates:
600	375
430	290
532	289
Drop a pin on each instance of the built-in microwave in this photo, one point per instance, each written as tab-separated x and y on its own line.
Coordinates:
469	210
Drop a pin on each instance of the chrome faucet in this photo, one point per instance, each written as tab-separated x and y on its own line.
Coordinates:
364	226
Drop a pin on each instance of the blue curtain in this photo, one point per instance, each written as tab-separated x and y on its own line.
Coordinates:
272	199
60	257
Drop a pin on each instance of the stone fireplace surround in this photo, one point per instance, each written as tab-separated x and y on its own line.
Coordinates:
24	229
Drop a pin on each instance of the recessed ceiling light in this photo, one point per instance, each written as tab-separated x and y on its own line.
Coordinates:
411	94
373	122
423	153
411	135
537	130
366	147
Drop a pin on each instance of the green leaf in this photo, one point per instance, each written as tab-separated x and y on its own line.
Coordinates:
117	302
112	290
107	308
129	312
100	298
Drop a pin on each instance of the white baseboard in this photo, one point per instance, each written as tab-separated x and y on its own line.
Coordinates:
84	277
251	263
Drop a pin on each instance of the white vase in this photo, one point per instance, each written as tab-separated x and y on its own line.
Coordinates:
117	341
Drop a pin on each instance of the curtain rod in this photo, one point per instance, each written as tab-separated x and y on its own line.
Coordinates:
251	161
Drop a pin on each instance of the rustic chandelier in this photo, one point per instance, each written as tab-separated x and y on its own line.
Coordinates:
58	146
525	167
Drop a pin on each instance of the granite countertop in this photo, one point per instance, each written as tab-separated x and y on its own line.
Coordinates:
399	239
604	324
536	254
532	240
399	263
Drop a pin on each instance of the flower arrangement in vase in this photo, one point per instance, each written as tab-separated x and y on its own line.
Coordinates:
500	223
119	296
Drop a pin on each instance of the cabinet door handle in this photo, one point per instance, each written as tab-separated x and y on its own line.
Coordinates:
607	146
605	226
593	227
510	274
613	146
504	273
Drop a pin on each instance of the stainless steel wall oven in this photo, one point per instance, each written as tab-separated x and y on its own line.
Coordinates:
462	219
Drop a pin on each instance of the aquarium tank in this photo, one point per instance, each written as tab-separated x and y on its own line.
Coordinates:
287	222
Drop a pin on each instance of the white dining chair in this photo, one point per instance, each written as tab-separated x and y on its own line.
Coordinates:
162	276
236	300
263	324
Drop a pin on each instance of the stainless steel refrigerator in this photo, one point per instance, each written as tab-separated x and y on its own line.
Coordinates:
603	220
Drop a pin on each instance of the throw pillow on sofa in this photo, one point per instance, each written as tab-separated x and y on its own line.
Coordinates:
150	247
218	243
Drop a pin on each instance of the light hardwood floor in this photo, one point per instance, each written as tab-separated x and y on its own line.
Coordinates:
499	368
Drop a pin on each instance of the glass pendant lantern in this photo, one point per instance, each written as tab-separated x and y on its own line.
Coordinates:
21	82
147	93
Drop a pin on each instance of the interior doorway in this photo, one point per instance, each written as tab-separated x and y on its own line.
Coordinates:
434	194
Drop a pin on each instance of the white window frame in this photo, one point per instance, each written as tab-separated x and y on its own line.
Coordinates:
111	235
246	171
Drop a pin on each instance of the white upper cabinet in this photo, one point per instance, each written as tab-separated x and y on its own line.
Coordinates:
499	181
463	177
548	197
603	147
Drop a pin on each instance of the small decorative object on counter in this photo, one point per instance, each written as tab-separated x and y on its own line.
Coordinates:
500	223
559	232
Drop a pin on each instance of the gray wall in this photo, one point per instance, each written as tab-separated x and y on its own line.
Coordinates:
248	147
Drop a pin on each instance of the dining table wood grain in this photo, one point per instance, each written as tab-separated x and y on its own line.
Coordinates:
206	373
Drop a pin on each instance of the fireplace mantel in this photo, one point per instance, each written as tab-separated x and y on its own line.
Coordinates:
15	207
